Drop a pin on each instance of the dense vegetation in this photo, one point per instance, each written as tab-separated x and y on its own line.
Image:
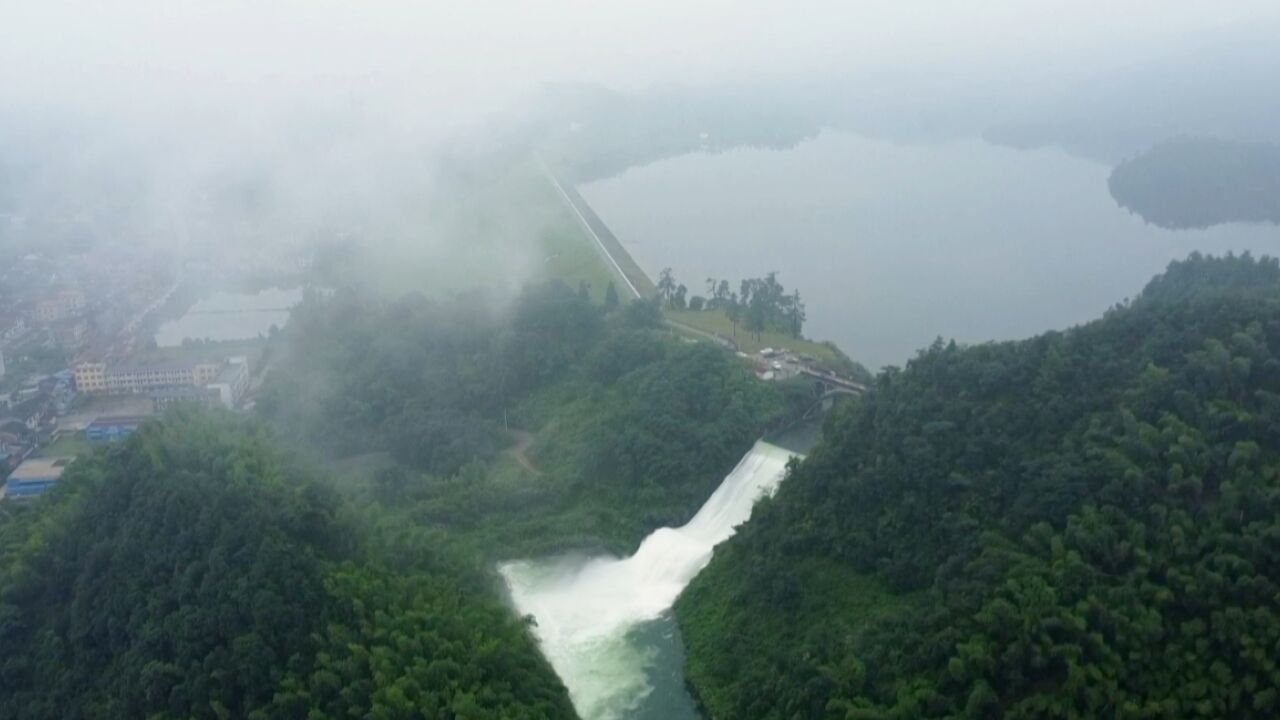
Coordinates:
1084	524
760	304
633	426
1199	182
195	572
198	570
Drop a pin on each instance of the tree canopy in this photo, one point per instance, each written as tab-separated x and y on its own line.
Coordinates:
1083	524
632	427
193	571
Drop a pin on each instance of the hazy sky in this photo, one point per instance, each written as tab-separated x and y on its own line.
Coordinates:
339	103
441	62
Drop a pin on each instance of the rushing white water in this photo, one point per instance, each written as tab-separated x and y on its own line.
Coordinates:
587	608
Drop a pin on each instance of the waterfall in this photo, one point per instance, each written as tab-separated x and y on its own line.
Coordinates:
586	607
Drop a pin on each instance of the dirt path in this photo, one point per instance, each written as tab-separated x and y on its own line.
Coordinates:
524	440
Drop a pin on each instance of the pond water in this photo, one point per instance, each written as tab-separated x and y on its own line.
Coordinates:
894	245
230	316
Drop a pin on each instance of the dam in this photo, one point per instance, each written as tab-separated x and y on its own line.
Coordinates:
604	623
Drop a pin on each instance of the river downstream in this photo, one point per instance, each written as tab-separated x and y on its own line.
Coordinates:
605	623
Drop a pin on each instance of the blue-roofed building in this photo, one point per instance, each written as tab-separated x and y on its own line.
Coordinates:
33	477
106	429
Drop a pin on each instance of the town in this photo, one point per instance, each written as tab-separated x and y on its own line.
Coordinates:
79	360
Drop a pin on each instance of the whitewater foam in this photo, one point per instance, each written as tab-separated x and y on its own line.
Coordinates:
586	607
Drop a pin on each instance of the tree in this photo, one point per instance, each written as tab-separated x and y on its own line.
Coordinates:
734	312
1075	525
678	299
666	284
697	303
794	314
722	293
610	297
757	314
643	313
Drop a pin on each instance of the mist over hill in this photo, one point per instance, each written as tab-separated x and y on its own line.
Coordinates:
1199	182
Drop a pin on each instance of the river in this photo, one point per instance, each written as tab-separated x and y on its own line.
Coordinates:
894	245
605	623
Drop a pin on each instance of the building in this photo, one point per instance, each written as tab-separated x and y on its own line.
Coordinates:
71	301
205	382
31	410
71	333
14	448
46	311
11	326
232	381
123	379
33	477
109	428
227	389
163	398
67	303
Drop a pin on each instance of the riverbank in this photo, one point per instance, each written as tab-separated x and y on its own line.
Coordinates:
632	281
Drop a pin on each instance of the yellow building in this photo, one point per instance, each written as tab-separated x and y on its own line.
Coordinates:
101	378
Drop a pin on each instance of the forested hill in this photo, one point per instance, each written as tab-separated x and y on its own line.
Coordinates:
1083	524
630	429
195	572
1199	182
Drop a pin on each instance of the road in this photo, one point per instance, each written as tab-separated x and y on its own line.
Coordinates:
720	340
604	251
524	440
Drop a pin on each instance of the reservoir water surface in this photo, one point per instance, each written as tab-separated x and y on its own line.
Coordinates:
231	316
894	245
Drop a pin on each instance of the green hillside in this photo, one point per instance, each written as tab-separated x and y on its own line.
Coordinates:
196	572
1085	524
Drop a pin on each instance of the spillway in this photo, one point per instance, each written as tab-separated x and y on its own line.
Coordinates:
598	617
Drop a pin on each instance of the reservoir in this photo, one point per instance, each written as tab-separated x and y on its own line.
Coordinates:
230	316
894	245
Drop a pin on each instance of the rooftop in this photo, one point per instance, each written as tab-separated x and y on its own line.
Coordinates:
119	420
40	468
233	368
183	391
126	368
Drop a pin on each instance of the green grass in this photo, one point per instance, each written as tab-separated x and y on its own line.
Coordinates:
630	268
715	321
571	256
68	445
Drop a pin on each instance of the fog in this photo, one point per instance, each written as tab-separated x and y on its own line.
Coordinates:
521	280
187	125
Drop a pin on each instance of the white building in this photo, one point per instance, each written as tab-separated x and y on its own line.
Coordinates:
232	381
